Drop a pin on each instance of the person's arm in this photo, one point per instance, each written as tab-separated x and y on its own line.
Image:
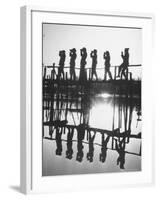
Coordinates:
122	55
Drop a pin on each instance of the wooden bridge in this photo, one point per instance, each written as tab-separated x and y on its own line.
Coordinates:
88	71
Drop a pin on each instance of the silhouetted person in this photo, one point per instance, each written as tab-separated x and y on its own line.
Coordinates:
58	142
61	64
106	57
80	138
120	147
94	63
73	56
124	66
83	63
90	154
103	154
53	72
69	151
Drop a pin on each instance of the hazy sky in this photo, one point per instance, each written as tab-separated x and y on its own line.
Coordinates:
58	37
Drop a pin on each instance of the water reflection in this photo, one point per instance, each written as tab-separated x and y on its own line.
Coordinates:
75	114
69	151
90	153
103	154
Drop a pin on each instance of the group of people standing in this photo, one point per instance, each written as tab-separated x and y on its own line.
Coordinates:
83	52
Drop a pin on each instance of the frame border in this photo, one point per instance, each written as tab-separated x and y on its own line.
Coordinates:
26	81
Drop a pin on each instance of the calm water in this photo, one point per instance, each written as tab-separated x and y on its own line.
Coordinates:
104	111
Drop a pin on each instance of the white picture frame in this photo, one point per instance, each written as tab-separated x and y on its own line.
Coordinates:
31	49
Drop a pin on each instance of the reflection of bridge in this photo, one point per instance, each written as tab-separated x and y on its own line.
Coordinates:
114	133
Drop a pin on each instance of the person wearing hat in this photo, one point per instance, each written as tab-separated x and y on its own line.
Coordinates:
73	56
94	63
124	66
61	63
106	57
83	64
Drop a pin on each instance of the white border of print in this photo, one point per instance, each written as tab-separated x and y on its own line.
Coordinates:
31	115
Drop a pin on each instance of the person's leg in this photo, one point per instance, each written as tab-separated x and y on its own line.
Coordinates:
124	73
105	78
96	75
63	73
120	69
74	75
105	75
59	73
110	75
92	74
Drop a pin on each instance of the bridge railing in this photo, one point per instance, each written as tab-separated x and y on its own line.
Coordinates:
88	71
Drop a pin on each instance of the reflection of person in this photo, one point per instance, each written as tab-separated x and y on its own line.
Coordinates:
69	151
73	56
106	57
120	147
103	154
80	138
58	142
94	63
79	156
124	66
61	63
90	154
83	63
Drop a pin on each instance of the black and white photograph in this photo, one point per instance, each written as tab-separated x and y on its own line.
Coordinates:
91	99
